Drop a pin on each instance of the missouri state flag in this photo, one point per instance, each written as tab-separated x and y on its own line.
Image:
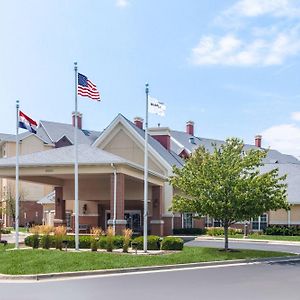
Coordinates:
27	123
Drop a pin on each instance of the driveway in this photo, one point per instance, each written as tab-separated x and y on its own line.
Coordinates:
284	247
266	281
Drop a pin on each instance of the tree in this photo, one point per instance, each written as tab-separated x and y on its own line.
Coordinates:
9	202
228	185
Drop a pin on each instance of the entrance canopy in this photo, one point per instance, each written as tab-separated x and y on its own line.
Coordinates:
54	166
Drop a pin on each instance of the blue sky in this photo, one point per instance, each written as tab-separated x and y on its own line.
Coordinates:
230	66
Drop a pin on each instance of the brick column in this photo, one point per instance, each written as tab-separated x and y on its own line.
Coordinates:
60	207
120	222
157	223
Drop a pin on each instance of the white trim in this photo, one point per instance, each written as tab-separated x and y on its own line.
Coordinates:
118	222
159	222
41	123
180	145
30	134
120	119
66	138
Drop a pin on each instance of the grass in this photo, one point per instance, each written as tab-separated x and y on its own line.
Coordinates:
21	229
51	261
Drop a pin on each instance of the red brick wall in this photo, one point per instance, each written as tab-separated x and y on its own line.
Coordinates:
164	140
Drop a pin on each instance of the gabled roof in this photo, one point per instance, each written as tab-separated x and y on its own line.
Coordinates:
48	199
87	155
160	151
12	137
181	139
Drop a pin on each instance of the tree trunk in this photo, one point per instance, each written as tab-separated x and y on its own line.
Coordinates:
226	236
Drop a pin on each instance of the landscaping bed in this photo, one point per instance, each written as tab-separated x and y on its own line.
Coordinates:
38	261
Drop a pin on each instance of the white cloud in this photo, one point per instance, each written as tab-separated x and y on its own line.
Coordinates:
253	45
256	8
295	115
284	138
231	50
122	3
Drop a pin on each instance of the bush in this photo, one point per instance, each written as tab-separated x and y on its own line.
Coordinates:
282	230
153	242
189	231
45	241
35	241
117	242
172	243
5	231
215	231
84	241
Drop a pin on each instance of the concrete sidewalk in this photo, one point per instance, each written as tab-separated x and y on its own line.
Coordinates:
247	240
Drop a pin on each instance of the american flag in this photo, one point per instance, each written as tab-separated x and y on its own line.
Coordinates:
86	88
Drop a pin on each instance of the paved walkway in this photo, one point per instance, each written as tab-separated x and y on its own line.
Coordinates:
249	244
10	238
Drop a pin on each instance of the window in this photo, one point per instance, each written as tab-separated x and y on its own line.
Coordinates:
260	223
68	219
187	220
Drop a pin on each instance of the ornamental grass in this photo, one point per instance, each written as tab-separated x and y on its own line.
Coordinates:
59	233
127	234
110	233
96	232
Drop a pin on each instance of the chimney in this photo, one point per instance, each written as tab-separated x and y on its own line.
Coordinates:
190	127
258	139
79	119
138	122
162	135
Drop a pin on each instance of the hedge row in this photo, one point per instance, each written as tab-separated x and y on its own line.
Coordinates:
282	230
154	242
189	231
5	231
215	231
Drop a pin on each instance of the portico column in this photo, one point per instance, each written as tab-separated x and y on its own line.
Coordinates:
157	223
120	202
60	207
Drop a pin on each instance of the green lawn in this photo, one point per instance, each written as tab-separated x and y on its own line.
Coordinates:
49	261
21	229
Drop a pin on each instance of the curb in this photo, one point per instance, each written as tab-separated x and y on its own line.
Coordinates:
63	275
288	243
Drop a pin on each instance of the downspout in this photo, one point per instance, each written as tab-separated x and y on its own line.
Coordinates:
115	196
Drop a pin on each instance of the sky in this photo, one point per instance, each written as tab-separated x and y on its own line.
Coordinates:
231	66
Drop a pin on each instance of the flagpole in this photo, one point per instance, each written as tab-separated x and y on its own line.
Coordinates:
76	165
146	173
17	177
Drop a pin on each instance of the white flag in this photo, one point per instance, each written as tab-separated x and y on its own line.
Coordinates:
156	107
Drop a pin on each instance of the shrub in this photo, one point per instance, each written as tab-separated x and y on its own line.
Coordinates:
189	231
33	240
172	243
282	230
153	242
117	242
127	233
84	241
45	241
5	231
216	231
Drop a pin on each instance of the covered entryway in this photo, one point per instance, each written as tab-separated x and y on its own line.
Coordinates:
98	171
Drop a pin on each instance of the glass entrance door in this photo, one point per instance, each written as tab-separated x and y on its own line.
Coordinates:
133	219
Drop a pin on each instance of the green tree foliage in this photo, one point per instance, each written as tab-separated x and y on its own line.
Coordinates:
227	184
